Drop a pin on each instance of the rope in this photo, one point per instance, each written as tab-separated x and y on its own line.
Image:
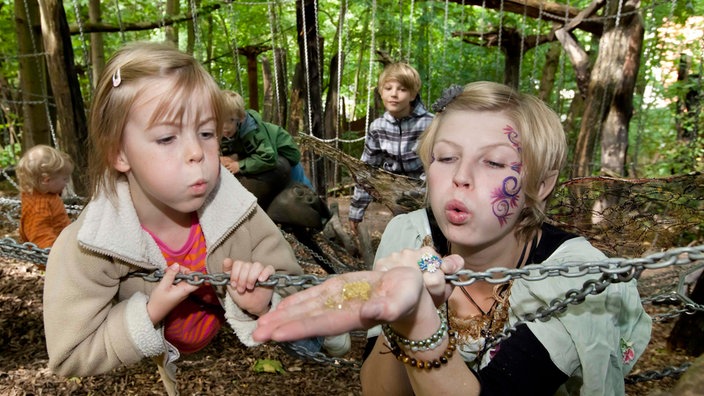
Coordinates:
277	94
370	89
119	21
307	69
498	67
535	53
410	28
196	29
523	42
235	52
86	58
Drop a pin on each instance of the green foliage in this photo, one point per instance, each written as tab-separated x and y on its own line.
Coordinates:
268	366
425	33
10	154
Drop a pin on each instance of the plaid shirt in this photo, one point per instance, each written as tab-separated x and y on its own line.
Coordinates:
391	145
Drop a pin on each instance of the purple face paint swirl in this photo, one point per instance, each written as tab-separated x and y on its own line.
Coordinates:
504	198
513	137
516	166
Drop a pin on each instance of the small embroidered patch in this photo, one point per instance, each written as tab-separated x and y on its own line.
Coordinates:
627	352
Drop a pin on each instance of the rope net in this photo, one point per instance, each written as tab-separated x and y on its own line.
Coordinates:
630	217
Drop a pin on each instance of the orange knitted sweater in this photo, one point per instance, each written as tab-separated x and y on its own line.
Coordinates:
42	219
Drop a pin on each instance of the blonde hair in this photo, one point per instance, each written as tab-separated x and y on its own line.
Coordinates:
404	73
233	103
39	162
542	139
122	82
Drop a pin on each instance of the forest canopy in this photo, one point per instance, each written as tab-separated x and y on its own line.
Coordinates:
624	75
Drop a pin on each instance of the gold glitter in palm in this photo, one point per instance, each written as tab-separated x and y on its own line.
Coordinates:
353	291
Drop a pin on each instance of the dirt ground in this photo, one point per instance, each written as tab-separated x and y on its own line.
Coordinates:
224	367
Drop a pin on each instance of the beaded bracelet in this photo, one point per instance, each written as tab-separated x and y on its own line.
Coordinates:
430	364
429	343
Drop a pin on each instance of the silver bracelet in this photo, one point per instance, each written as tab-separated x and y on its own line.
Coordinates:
427	344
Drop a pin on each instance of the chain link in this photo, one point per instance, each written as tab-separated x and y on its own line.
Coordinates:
651	375
318	357
26	251
612	270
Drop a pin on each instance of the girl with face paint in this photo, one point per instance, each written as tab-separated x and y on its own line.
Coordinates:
492	157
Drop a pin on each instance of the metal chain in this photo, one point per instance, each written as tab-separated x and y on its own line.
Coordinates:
318	357
612	271
651	375
26	251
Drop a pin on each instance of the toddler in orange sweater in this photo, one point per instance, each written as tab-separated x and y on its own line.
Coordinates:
43	173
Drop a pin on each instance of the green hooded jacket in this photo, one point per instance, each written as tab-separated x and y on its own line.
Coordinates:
258	145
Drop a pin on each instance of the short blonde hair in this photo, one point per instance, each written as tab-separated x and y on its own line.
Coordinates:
543	142
402	72
233	103
120	85
39	162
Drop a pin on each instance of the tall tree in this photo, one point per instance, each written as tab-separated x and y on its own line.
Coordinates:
97	50
33	78
171	30
609	98
308	43
71	128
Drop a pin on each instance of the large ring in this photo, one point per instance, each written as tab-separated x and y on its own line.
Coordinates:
429	263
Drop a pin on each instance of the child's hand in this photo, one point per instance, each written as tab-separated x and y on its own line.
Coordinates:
168	295
434	278
242	290
326	309
230	164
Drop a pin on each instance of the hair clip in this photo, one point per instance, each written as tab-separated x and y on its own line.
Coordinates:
116	78
448	95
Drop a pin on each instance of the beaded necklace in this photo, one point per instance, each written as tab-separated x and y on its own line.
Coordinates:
482	328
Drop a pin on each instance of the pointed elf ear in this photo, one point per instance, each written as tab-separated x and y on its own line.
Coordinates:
548	184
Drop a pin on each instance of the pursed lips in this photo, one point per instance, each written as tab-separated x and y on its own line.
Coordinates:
200	186
456	212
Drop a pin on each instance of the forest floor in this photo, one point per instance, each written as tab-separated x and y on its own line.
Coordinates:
225	366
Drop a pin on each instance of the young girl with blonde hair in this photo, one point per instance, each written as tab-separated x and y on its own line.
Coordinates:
160	201
492	158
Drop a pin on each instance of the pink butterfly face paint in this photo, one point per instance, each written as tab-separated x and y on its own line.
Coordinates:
505	198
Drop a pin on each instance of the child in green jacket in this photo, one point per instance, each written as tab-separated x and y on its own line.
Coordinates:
263	156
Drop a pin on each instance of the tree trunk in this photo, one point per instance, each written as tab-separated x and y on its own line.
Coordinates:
191	28
296	115
547	79
267	113
627	44
97	49
281	108
71	128
608	106
358	70
308	44
33	78
209	44
171	30
252	83
332	119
